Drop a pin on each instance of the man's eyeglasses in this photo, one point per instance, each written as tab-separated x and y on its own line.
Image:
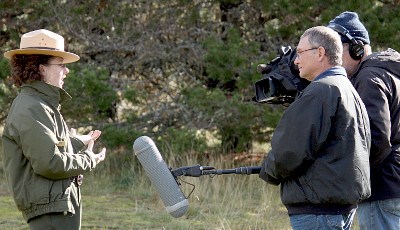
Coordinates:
300	52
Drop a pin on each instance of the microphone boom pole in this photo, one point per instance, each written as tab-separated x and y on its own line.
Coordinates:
197	171
165	179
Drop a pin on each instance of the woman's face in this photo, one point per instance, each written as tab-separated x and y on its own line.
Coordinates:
54	72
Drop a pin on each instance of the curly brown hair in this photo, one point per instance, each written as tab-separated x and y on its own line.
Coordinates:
25	68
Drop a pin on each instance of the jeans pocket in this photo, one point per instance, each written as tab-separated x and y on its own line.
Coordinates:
391	206
335	221
304	222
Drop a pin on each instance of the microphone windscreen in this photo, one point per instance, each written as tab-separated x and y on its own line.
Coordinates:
160	176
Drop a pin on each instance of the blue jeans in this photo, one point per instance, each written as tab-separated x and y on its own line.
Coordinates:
379	215
313	222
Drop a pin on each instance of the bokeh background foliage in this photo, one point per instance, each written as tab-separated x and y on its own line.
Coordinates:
181	72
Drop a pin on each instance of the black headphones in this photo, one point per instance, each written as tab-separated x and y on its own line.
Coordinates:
356	48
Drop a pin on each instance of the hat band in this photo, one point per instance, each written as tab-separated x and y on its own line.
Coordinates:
41	47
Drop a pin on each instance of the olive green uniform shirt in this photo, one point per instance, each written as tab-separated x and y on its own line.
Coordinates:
39	156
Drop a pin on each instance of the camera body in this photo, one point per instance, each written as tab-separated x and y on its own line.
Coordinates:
280	82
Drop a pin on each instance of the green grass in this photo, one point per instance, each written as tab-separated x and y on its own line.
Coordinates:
129	201
10	217
222	202
219	202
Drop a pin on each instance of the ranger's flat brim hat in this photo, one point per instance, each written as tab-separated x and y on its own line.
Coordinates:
43	42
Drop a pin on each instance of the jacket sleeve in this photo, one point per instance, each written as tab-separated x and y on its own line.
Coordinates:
299	135
35	128
77	144
373	92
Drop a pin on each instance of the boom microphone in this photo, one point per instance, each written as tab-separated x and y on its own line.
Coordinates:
160	176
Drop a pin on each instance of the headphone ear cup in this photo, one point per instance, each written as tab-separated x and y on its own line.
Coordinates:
356	50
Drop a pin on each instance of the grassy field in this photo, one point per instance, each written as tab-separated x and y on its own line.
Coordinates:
223	202
131	202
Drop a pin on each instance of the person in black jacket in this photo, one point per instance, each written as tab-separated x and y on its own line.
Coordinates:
320	148
376	78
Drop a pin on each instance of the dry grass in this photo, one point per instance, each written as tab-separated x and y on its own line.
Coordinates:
223	202
220	202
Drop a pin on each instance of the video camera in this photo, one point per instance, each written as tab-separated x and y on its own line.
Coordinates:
280	83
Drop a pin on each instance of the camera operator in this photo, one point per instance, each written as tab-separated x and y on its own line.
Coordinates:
320	148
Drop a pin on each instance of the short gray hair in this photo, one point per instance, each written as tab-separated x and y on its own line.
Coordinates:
329	40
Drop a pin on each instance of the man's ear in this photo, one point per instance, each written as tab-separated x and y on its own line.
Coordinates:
321	53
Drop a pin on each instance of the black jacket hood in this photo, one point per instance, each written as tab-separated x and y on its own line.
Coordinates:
384	60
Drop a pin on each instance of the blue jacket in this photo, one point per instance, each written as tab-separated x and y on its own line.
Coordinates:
320	148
